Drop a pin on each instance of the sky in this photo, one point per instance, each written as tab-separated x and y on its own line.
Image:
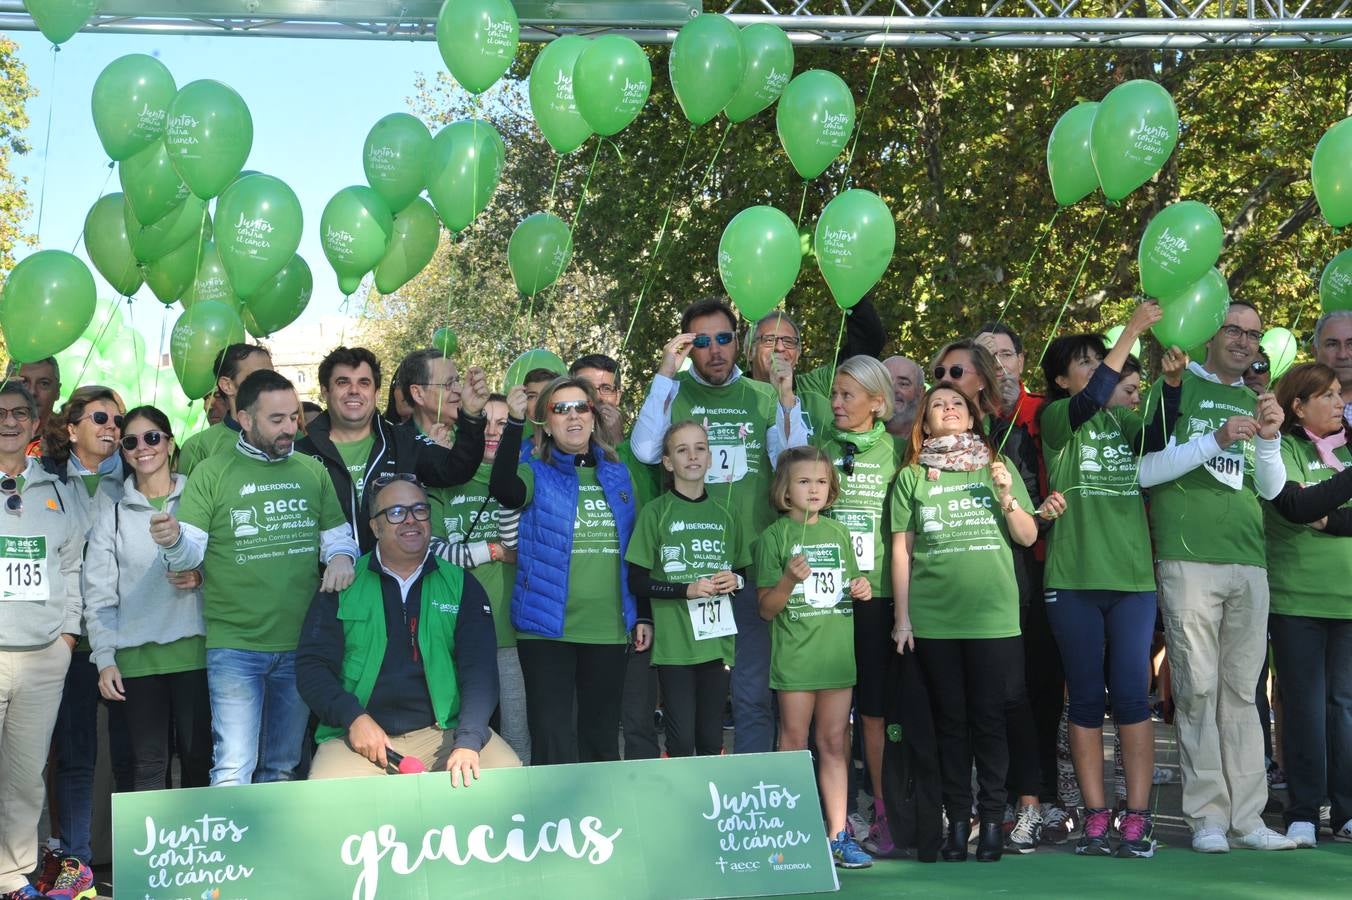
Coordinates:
312	103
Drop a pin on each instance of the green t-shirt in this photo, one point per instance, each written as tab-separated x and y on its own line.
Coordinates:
263	521
1102	542
217	438
814	393
862	504
183	655
738	418
1212	513
157	502
962	568
91	483
356	454
647	479
812	638
1308	570
681	540
467	514
595	610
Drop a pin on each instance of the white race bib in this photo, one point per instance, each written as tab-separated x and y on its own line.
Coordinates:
823	588
1228	467
23	569
711	617
859	522
729	463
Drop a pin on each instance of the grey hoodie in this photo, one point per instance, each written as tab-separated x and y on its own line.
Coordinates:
36	607
128	600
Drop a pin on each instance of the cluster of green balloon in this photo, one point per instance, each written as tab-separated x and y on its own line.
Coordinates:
1112	334
355	230
477	40
1335	285
463	170
854	241
1179	246
201	332
46	303
759	257
1194	315
552	102
538	252
527	362
814	120
395	158
1281	347
611	81
58	20
1116	145
1331	174
715	67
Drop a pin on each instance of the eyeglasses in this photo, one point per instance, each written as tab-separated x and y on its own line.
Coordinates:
723	337
152	439
607	390
9	489
99	418
954	373
787	341
847	458
1259	368
444	385
1234	332
563	407
399	513
19	414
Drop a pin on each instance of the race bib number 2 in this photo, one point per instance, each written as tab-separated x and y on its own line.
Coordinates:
729	464
711	617
23	569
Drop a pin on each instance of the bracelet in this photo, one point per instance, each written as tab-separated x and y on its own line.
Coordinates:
907	628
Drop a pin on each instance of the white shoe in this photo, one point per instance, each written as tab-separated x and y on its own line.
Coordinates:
1301	833
1210	840
1263	838
1344	833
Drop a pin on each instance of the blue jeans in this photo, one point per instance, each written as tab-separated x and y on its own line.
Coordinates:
257	716
76	740
753	705
1088	624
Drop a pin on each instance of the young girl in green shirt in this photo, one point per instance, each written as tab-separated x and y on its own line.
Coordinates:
808	580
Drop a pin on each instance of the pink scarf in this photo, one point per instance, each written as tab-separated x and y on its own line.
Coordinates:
1326	445
955	453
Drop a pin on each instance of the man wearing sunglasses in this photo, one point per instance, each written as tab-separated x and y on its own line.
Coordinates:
403	662
1221	452
738	413
232	365
40	609
259	521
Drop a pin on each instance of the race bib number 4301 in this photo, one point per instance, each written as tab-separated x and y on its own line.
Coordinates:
23	569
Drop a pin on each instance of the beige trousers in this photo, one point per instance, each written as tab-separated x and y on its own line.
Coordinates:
335	759
1215	626
31	682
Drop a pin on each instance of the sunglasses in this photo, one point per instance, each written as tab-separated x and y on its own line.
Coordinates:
563	407
954	373
1259	368
384	481
9	489
399	513
100	418
151	438
723	337
847	458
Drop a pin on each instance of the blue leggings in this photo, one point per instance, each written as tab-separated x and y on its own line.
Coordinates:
1088	623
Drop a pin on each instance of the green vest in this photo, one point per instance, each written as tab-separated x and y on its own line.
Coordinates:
361	608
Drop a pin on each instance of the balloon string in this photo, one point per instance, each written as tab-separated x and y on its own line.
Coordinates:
79	237
131	339
98	339
47	146
159	355
802	204
713	159
572	229
558	167
1022	279
859	121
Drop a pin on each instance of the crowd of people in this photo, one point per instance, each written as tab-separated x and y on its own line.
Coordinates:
472	579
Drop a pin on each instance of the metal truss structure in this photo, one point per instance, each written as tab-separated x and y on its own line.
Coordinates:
1150	24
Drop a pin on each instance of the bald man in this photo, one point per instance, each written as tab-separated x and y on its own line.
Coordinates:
908	383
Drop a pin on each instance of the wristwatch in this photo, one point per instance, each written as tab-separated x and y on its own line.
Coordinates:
741	582
1010	505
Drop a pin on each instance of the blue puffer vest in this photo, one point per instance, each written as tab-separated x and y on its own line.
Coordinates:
545	541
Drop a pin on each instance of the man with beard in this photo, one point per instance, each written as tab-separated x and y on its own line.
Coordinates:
908	383
1006	346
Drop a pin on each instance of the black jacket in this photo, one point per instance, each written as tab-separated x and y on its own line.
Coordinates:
396	449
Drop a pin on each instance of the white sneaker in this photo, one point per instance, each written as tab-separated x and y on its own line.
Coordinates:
1344	833
1301	833
1210	840
1263	838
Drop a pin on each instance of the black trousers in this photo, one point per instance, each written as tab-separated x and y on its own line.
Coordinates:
911	792
639	707
152	703
693	698
966	680
1034	707
573	699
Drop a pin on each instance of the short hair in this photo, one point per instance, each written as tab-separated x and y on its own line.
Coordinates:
873	377
415	368
1240	301
705	307
228	360
1131	367
352	357
918	428
1324	320
309	406
17	387
15	366
779	488
985	366
378	486
1001	328
56	442
774	315
1301	383
496	398
261	382
597	361
1063	351
546	398
541	374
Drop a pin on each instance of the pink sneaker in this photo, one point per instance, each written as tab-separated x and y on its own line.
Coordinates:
74	882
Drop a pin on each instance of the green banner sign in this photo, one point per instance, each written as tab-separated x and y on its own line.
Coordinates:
726	826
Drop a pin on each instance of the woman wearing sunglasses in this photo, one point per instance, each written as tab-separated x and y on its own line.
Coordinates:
571	606
146	625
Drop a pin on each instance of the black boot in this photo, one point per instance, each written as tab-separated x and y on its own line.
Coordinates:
990	842
955	844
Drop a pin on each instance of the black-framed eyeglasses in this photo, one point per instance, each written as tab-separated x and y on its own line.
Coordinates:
151	438
723	337
1260	367
847	458
954	373
444	385
399	513
19	414
563	407
607	390
787	341
1234	332
100	418
9	489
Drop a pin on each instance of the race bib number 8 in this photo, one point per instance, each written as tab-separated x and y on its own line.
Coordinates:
860	525
729	464
711	617
23	569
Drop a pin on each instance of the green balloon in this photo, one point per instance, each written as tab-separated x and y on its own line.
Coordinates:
183	223
1281	347
107	316
58	20
551	94
151	184
768	55
211	284
1179	246
1335	285
109	248
463	171
1194	315
444	339
201	333
417	232
477	40
46	303
1134	132
854	240
815	118
208	135
759	257
124	351
355	231
528	361
1331	174
281	301
1069	164
258	225
170	276
1112	334
706	66
394	158
611	81
72	362
538	252
130	103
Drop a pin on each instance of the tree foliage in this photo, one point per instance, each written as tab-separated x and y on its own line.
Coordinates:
14	93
